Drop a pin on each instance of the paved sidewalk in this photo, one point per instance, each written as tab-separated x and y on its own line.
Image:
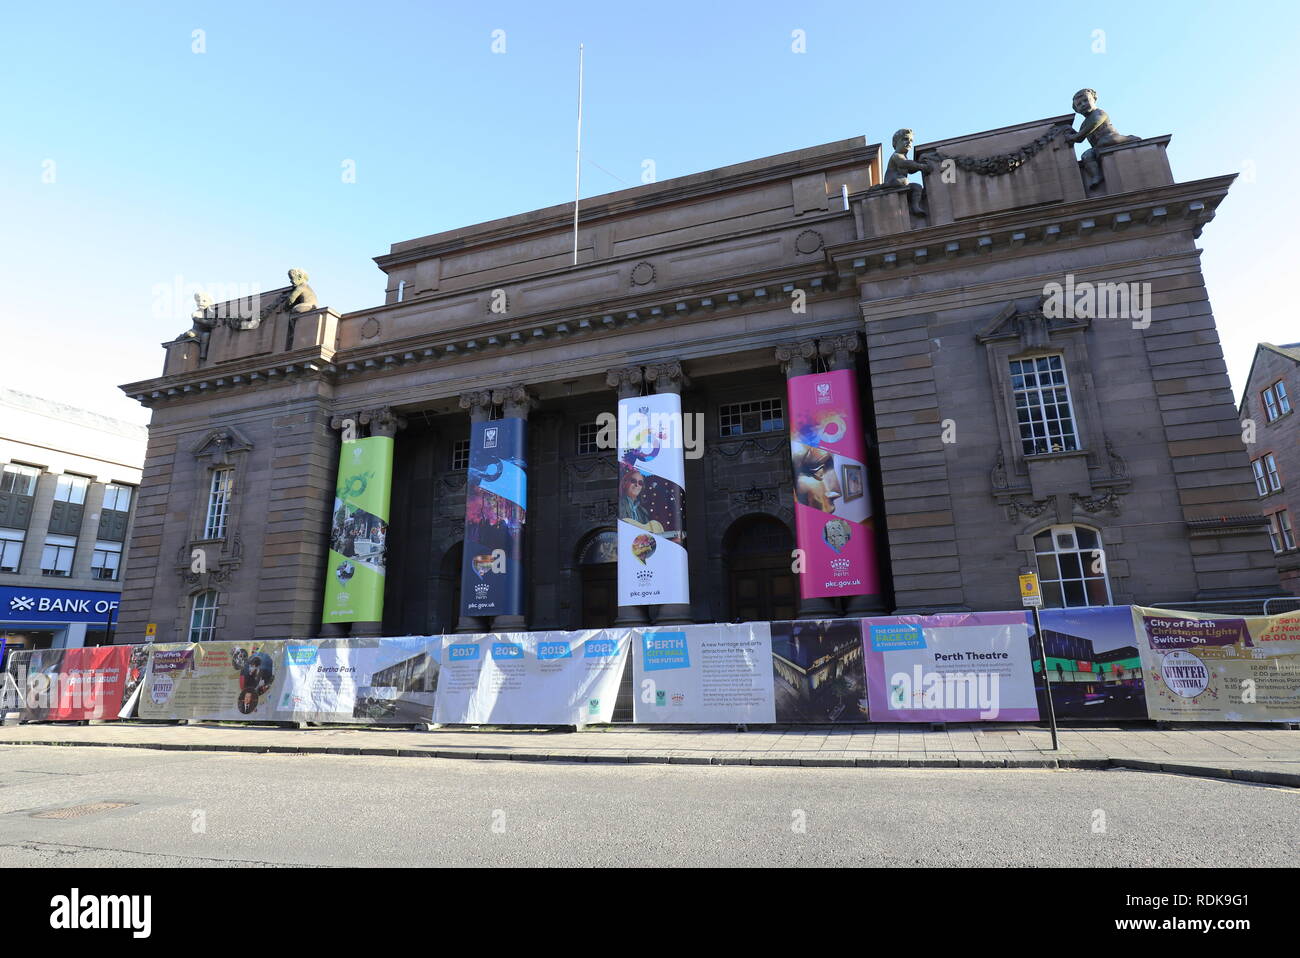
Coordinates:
1252	754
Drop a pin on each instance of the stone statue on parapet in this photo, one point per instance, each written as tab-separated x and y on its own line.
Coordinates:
301	298
897	171
1097	129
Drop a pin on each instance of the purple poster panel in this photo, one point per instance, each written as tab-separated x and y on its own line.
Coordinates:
965	667
1092	662
833	525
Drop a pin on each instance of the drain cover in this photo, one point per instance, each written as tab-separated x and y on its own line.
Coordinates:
77	811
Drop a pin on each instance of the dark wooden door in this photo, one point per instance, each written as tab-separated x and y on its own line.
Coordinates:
599	595
763	588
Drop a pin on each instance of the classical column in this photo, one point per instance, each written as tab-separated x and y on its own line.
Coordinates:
796	359
516	403
381	421
479	404
668	377
627	381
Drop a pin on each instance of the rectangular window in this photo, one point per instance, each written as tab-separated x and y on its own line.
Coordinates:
1261	481
214	526
11	549
56	560
1270	404
460	455
1274	477
746	418
20	480
107	560
117	498
1283	400
1280	531
203	617
1044	414
588	433
71	489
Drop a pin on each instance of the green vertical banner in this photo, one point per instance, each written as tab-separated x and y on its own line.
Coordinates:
354	579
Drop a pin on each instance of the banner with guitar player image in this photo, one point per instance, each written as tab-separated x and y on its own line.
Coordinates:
833	526
496	503
652	566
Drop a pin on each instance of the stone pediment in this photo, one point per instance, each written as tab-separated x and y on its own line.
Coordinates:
218	444
1031	326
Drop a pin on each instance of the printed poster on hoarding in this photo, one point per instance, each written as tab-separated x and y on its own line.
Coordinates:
232	681
818	671
530	678
496	507
1208	668
833	524
964	667
357	564
73	685
379	681
652	559
703	674
1092	662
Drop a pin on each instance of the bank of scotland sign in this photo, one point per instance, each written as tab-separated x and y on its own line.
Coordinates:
56	605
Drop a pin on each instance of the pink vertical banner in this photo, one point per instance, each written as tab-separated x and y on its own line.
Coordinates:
828	451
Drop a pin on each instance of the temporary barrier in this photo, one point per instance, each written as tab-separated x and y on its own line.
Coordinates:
1093	664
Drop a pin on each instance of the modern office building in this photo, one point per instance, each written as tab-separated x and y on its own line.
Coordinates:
68	484
1041	387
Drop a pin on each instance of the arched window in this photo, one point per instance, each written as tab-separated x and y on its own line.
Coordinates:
1072	567
203	617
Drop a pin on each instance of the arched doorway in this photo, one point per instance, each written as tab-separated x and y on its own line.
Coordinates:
759	581
598	567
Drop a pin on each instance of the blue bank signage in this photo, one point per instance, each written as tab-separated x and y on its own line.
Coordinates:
56	605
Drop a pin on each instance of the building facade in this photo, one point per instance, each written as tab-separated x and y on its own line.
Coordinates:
1267	412
1041	384
68	481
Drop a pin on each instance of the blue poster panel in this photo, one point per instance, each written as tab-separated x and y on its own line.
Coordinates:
496	498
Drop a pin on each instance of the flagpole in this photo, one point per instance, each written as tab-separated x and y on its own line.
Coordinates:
577	176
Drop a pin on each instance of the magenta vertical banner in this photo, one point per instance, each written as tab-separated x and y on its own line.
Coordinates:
832	507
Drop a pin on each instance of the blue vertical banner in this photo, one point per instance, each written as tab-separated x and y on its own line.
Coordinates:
496	504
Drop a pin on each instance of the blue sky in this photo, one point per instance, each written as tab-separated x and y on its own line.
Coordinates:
171	166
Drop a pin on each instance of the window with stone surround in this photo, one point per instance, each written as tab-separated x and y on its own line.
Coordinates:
220	487
1267	477
460	455
1072	567
203	617
1280	531
746	418
588	438
1044	413
1276	401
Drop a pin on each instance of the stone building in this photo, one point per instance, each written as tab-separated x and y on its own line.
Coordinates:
1267	406
68	481
1042	387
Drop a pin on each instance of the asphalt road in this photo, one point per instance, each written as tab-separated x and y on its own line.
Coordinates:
222	809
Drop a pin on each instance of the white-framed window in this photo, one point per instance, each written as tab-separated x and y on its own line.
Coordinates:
56	560
1274	477
11	549
19	479
71	489
588	436
460	455
203	617
1072	567
117	498
1276	402
745	418
1044	414
1261	480
1280	531
107	561
214	526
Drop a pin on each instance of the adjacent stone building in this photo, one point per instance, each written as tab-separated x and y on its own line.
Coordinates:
1041	379
1267	413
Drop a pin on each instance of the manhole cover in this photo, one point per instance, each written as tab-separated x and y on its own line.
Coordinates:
77	811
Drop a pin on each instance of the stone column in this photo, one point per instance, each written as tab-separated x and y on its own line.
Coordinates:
516	403
669	378
479	404
88	535
38	526
381	421
627	381
796	359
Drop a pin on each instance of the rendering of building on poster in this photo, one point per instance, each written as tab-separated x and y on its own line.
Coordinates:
496	505
1093	663
371	680
1202	668
652	560
963	667
817	671
355	572
703	674
833	526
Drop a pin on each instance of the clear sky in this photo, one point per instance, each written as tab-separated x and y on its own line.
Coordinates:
131	165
